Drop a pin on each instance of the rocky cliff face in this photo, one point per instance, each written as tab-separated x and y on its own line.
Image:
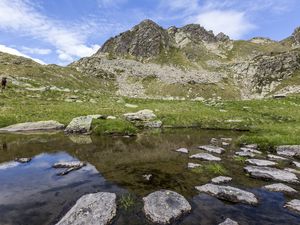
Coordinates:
193	60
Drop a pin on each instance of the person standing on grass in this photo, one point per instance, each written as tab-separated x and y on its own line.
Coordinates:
3	83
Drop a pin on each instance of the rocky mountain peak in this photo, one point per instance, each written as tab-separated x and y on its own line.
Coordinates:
198	33
296	36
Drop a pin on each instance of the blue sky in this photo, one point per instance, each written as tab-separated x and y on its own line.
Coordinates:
61	31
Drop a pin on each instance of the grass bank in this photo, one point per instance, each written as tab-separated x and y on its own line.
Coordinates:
270	122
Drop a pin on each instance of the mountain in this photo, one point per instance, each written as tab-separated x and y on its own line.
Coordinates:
190	62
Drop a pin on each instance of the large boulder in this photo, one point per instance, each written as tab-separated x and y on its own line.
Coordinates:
228	193
142	115
92	209
34	126
165	206
80	125
271	174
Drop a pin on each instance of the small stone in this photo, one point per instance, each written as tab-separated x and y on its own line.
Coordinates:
229	221
269	173
253	146
92	209
130	106
165	206
245	154
293	205
111	117
251	150
23	160
214	141
182	150
221	179
212	148
260	162
228	193
193	165
297	164
225	144
275	157
205	156
226	139
147	176
280	188
288	150
96	117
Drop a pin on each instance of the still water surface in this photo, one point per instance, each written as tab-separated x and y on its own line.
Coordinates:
33	194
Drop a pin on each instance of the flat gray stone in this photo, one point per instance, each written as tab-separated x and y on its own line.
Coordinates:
253	146
205	156
288	150
34	126
229	221
68	166
80	125
269	173
92	209
276	157
221	179
142	115
193	165
261	162
182	150
212	148
228	193
293	205
292	170
251	150
280	188
245	154
165	206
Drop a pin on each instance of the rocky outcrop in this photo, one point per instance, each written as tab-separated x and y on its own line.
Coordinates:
34	126
268	173
93	209
164	206
228	193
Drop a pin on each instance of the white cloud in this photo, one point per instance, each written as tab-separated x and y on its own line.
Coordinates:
232	23
16	52
37	51
21	17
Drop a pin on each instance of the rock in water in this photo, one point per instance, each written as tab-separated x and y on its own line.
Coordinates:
182	150
251	150
293	205
69	166
23	160
297	164
276	157
228	193
164	206
271	174
221	179
34	126
261	162
205	156
212	148
193	165
245	154
288	150
80	125
280	188
143	115
229	221
92	209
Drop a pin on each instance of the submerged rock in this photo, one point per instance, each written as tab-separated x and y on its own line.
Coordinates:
280	188
275	157
92	209
34	126
193	165
221	179
245	154
271	174
288	150
205	156
261	162
80	125
143	115
182	150
165	206
229	221
212	148
23	160
228	193
293	205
